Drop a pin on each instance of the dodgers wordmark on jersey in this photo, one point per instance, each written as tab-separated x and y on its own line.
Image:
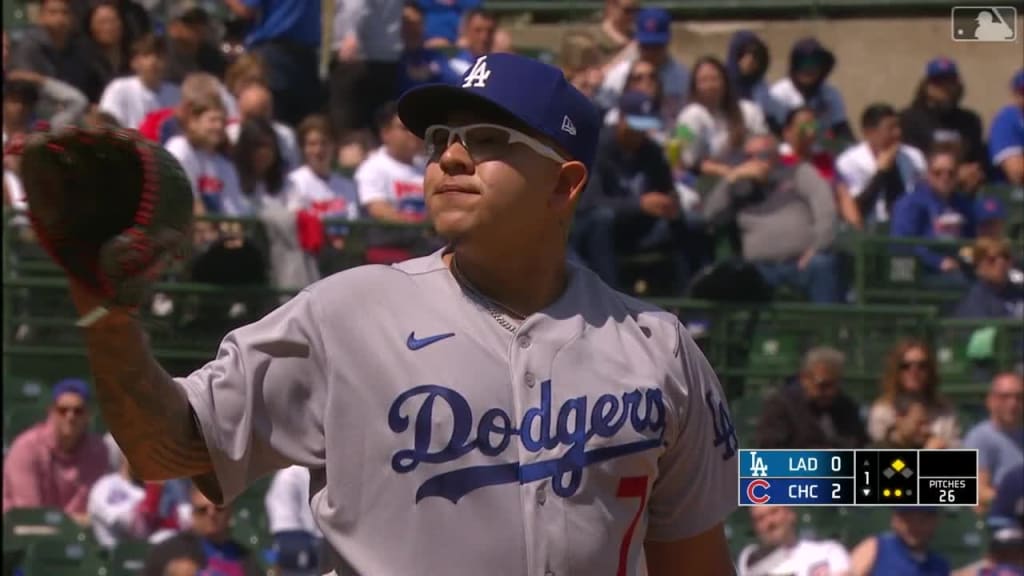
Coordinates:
440	442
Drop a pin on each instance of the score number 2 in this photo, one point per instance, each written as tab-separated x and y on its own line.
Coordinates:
632	487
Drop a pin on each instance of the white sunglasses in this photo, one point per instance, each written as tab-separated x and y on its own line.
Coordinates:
483	141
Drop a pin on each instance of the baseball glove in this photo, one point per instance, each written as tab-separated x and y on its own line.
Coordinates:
109	207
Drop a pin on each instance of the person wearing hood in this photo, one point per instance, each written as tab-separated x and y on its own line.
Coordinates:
747	64
935	210
810	65
935	117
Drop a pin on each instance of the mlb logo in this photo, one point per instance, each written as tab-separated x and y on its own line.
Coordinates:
984	24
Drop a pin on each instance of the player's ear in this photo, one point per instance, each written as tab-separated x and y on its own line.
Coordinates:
572	179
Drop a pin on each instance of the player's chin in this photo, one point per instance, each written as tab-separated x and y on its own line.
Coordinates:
452	224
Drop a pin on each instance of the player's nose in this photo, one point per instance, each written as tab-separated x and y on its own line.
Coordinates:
456	159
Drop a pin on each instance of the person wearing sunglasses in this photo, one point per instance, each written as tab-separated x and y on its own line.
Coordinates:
936	210
493	404
1000	438
55	463
911	375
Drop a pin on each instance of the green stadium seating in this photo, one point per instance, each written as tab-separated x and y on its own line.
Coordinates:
739	531
58	557
126	559
960	536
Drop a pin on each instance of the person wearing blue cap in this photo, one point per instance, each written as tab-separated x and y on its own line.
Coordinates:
630	204
905	550
1006	136
491	406
653	35
937	117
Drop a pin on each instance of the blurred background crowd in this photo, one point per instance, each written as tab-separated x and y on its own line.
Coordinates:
819	253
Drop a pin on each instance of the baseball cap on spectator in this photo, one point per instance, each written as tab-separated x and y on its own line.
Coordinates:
73	386
639	111
188	11
524	93
988	209
295	553
941	67
653	27
1018	81
1006	516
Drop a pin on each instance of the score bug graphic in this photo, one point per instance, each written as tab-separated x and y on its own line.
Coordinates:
788	477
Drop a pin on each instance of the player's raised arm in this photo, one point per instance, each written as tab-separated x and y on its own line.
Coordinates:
110	209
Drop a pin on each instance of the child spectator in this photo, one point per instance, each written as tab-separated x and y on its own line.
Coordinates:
390	184
935	210
213	177
906	550
55	463
316	191
247	69
910	372
1006	140
881	169
131	98
163	124
715	121
810	65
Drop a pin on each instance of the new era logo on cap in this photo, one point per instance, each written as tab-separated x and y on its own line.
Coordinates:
567	126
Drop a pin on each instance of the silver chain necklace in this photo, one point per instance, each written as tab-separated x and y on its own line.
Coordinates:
498	311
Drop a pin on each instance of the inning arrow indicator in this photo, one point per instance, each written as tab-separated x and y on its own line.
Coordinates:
866	491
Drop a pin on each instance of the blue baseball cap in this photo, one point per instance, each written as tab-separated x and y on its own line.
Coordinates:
639	112
653	27
73	386
1017	83
941	67
521	92
989	208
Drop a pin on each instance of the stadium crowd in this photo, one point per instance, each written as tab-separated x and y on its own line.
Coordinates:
268	126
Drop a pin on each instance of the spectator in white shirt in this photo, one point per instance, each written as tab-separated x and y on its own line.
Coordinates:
131	98
780	550
317	192
880	169
214	181
259	163
115	507
390	181
287	503
810	65
653	34
255	100
715	122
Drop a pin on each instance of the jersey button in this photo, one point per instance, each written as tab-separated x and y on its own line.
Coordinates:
524	342
530	380
542	496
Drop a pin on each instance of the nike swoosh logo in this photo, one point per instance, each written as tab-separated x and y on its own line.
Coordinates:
415	343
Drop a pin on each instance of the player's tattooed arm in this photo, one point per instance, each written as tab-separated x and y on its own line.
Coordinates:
146	411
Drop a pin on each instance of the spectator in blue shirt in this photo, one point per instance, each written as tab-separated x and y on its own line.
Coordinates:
441	19
935	210
994	294
905	550
419	64
286	34
478	28
999	440
1006	140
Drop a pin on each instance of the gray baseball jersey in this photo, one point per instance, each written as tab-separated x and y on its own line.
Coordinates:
439	442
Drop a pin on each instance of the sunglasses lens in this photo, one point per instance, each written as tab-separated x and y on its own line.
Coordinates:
436	141
487	142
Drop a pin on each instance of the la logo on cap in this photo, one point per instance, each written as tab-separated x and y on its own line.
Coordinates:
478	75
568	127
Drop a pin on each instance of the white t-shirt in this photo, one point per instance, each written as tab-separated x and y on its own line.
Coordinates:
213	178
287	502
285	142
806	558
114	509
710	132
381	177
335	197
129	100
675	84
828	104
856	166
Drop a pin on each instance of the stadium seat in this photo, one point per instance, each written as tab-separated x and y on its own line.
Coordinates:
960	536
18	418
859	523
739	531
59	557
127	559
